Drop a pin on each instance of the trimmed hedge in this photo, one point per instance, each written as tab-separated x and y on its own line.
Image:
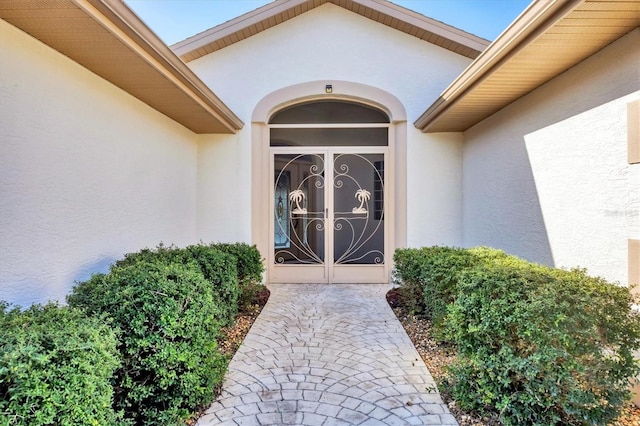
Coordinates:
217	266
428	276
148	348
170	320
250	270
248	260
55	367
536	345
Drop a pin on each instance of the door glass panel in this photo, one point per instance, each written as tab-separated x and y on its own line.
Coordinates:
373	136
299	209
358	197
329	112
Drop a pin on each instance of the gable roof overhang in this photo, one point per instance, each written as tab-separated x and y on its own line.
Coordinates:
381	11
548	38
107	38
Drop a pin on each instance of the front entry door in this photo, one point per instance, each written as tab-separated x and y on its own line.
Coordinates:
328	215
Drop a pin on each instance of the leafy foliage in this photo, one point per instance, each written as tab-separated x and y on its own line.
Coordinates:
249	261
217	266
169	319
428	276
55	367
536	345
408	266
250	269
58	366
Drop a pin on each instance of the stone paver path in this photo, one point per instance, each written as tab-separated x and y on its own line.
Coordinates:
327	355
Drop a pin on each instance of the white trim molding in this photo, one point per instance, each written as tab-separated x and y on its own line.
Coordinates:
315	90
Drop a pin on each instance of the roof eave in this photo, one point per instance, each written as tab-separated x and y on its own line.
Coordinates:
228	28
119	14
456	35
537	18
172	89
150	42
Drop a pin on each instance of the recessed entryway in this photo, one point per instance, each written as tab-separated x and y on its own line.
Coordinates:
328	193
328	196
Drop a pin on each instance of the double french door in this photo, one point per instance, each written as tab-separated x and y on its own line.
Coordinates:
328	210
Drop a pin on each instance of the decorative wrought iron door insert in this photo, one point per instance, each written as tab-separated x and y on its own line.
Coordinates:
358	227
328	208
299	216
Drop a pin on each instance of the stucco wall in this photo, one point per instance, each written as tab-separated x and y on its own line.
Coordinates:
435	215
547	177
328	43
224	195
87	173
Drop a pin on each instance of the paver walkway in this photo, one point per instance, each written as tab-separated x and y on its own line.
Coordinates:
327	355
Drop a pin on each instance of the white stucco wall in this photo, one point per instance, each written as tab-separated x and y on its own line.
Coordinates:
547	177
435	162
224	195
87	173
330	43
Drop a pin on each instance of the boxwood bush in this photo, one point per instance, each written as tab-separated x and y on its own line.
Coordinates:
407	274
536	345
217	266
542	346
248	260
250	269
239	292
428	276
169	318
55	367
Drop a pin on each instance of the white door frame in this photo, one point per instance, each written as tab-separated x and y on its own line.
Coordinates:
342	90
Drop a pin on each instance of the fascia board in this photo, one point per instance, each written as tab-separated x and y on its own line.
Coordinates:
118	19
534	21
237	24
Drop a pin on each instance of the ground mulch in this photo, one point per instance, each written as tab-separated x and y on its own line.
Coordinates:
437	356
232	336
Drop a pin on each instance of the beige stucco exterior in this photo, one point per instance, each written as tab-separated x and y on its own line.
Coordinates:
111	175
400	69
633	132
87	173
95	163
547	177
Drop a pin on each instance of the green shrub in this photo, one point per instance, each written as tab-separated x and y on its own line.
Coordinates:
234	292
168	316
407	275
249	261
55	367
217	266
250	270
428	276
541	346
160	253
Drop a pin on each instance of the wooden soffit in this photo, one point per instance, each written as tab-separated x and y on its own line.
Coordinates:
107	38
548	38
381	11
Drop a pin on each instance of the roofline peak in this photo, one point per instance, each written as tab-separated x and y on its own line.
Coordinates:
279	11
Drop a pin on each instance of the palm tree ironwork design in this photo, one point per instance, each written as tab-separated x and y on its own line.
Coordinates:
357	234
